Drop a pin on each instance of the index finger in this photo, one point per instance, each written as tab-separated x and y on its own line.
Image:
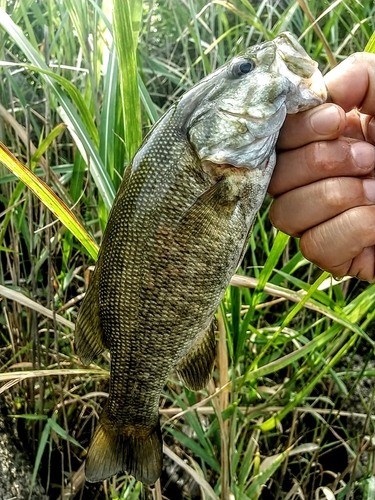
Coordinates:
352	83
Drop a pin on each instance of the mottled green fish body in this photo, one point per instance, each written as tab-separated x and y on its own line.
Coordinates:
176	234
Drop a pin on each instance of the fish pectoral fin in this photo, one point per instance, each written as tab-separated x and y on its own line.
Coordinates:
203	212
117	448
196	367
89	338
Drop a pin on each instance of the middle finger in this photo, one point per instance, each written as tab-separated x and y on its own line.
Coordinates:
319	160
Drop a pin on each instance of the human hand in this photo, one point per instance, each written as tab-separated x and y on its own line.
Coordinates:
323	182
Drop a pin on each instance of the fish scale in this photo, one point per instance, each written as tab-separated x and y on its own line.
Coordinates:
175	236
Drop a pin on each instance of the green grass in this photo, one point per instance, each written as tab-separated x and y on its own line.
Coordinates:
294	347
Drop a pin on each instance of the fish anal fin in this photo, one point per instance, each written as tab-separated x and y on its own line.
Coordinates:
89	339
196	367
117	448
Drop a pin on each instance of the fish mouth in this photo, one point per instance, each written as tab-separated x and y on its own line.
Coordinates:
258	114
244	116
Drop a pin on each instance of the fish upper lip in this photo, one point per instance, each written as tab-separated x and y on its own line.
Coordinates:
248	116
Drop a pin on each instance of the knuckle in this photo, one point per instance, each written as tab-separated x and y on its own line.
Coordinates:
357	59
341	193
310	247
332	195
361	57
356	56
344	245
363	266
356	223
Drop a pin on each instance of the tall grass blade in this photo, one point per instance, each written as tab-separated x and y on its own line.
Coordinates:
108	116
44	145
126	25
32	304
48	197
370	46
260	479
196	448
64	372
45	438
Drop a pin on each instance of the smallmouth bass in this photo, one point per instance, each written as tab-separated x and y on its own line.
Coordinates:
176	234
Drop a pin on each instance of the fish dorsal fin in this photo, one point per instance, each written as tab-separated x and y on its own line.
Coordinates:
196	367
89	339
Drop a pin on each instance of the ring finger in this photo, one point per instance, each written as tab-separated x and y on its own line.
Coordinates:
321	201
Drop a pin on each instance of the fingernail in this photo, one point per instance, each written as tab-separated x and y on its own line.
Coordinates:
363	155
369	189
326	120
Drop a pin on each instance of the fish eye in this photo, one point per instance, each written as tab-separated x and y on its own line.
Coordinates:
243	67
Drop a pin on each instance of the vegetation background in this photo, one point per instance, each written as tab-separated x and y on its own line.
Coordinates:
288	414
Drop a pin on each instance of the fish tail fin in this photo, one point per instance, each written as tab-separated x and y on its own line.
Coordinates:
117	448
89	338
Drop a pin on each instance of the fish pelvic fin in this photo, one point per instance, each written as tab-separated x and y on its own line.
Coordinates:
196	367
89	339
118	448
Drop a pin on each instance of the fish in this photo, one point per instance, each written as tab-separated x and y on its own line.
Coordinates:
176	234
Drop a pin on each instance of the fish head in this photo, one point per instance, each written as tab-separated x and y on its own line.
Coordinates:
234	115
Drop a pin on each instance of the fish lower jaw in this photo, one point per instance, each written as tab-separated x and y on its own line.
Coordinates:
217	169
